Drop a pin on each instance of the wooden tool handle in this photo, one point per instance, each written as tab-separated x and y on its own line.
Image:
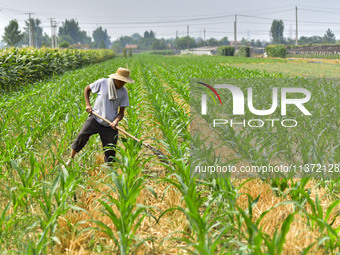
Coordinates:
157	152
121	130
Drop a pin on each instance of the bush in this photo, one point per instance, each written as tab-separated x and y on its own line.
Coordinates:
244	52
64	44
276	51
160	52
124	53
226	51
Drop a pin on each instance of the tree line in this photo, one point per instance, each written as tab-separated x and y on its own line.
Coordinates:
277	29
70	33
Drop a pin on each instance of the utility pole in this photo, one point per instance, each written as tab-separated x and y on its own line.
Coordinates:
55	34
204	37
235	33
52	33
31	38
296	21
188	37
176	33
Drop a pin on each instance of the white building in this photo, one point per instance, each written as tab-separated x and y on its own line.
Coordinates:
207	50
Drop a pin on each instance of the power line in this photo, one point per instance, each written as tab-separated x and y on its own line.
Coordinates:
161	22
302	21
319	11
319	7
168	22
207	21
273	12
258	11
4	3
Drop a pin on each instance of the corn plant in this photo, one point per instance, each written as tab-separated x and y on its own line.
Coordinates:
203	216
38	122
127	186
275	246
130	214
28	65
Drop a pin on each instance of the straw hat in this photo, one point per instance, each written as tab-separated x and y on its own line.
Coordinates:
122	74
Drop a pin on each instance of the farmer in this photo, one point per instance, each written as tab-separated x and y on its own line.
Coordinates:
111	96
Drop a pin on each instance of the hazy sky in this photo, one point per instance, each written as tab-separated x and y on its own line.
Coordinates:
120	18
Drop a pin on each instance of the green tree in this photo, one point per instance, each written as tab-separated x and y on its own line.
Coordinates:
38	37
64	44
102	45
199	42
329	37
46	41
258	43
150	34
183	42
276	32
224	41
252	42
147	41
71	29
159	44
304	40
84	38
65	38
121	43
136	37
12	35
146	34
116	46
212	42
290	41
310	40
101	38
316	39
244	42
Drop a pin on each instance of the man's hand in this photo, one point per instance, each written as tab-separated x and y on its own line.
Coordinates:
89	108
114	124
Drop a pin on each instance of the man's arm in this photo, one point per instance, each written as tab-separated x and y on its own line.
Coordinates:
119	117
87	92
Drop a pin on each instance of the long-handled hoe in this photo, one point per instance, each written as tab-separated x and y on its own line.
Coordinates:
157	152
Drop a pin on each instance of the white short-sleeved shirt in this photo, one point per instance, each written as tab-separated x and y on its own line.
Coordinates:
105	107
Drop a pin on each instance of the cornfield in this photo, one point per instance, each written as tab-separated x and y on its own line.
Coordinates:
22	66
143	206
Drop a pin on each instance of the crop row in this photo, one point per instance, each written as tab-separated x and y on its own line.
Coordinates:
223	194
38	126
22	66
208	204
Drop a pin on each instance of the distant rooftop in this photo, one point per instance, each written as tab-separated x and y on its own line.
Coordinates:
131	46
207	50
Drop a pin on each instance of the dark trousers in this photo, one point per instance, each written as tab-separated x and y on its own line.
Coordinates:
108	136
